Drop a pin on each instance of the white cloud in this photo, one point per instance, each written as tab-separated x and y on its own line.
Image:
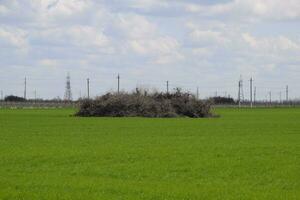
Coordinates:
202	52
271	44
49	63
210	10
162	50
208	37
13	37
144	37
74	36
86	36
3	10
166	59
250	40
273	9
146	4
61	7
135	26
165	50
161	45
263	9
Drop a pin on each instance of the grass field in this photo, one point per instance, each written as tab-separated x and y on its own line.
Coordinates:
244	154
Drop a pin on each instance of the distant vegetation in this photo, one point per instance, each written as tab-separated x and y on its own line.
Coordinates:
12	98
142	104
222	100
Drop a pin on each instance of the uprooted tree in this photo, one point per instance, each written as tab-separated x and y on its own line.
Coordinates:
142	104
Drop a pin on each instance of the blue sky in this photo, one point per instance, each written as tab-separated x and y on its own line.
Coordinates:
191	43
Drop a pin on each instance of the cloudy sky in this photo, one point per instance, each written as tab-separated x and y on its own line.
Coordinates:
191	43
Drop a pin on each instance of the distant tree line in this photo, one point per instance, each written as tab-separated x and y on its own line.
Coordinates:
222	100
218	100
12	98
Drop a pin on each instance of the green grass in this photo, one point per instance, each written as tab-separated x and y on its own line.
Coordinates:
244	154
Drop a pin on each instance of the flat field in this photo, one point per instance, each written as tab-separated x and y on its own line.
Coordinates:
244	154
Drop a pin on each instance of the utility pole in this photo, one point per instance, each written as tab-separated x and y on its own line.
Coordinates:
280	99
88	87
240	92
25	87
118	83
34	95
197	93
287	93
251	83
167	87
254	95
2	98
270	96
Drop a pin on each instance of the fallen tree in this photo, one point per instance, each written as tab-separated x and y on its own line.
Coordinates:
138	104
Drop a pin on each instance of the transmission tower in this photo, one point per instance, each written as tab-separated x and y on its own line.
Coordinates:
68	92
251	92
240	92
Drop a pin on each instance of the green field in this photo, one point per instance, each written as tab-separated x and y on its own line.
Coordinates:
244	154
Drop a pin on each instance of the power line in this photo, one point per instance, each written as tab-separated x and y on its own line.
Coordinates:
158	85
88	87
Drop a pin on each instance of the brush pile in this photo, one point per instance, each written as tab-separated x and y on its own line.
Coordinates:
142	104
